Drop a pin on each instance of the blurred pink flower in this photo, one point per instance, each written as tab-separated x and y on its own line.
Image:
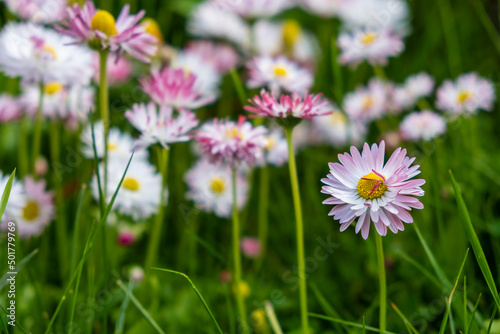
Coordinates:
222	56
126	237
118	70
422	125
250	247
38	11
9	108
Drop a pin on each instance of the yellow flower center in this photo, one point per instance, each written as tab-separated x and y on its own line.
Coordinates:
464	96
52	88
280	71
371	186
104	22
291	31
217	185
338	118
112	146
270	143
50	50
367	102
233	133
244	289
152	27
131	184
368	38
259	319
31	210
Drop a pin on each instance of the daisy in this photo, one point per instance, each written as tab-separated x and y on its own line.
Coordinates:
294	106
210	20
365	189
160	126
59	102
175	88
37	209
338	130
372	46
38	11
17	199
322	8
415	87
276	148
367	103
277	74
10	108
118	71
468	94
287	37
120	145
40	54
139	195
254	8
99	29
221	56
250	247
231	142
423	125
210	187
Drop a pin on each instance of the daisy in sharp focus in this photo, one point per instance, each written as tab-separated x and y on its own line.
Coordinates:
467	95
231	142
38	11
278	74
365	189
39	54
158	125
175	88
210	187
98	29
139	195
423	125
373	46
368	103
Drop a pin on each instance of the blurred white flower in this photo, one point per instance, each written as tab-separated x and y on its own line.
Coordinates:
367	103
38	11
323	8
415	87
254	8
336	129
423	125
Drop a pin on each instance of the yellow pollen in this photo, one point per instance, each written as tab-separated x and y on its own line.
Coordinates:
104	22
270	143
338	118
217	185
280	71
112	146
152	27
52	88
31	210
367	103
464	96
50	50
369	38
131	184
291	31
371	186
233	133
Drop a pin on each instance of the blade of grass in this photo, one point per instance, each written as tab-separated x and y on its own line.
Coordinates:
141	308
6	193
327	307
408	325
476	245
492	318
197	292
347	323
275	325
19	266
18	324
123	309
240	90
445	318
4	325
421	268
473	313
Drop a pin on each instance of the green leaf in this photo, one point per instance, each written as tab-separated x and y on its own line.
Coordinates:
408	324
19	266
6	193
123	309
474	240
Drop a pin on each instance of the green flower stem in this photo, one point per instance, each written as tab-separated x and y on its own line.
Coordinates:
22	150
382	283
37	136
237	258
263	215
61	230
154	243
379	72
300	231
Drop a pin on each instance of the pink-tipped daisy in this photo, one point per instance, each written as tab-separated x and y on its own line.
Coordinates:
415	87
231	142
294	105
99	29
468	94
254	8
278	74
10	108
372	46
423	125
160	126
38	11
365	189
175	88
223	57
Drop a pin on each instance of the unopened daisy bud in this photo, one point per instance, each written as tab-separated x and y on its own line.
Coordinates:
126	238
104	22
244	289
136	274
225	276
250	247
41	166
291	32
259	322
152	27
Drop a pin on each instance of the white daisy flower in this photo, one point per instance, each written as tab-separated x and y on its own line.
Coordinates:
139	195
323	8
120	145
278	74
38	11
423	125
337	130
210	187
276	148
415	87
41	54
17	199
254	8
209	20
367	103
